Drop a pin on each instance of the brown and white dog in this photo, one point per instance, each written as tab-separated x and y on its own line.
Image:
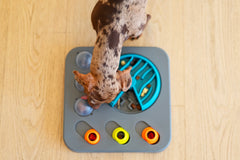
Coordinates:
114	21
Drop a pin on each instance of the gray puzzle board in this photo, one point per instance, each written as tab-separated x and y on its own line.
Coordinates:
106	118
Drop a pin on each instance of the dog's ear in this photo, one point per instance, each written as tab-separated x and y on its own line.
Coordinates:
86	80
125	79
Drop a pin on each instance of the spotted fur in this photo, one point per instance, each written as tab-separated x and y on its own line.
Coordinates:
114	21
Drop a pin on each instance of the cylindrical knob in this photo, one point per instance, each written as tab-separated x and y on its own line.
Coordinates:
120	135
150	135
92	136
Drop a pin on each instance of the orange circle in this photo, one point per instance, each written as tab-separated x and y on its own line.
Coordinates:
92	136
150	135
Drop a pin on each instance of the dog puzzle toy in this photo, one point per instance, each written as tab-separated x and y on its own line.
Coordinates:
130	122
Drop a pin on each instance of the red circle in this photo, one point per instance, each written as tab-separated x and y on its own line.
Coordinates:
92	136
151	135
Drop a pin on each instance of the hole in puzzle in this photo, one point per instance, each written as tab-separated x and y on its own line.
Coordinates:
120	135
92	136
151	135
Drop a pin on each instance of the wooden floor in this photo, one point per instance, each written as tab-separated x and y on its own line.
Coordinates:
202	39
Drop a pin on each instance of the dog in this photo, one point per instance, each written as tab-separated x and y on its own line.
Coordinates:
114	21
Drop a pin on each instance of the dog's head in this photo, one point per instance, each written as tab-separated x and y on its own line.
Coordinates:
97	93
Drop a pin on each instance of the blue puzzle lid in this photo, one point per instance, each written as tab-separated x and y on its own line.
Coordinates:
146	80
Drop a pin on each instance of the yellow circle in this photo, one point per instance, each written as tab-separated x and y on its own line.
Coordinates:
120	135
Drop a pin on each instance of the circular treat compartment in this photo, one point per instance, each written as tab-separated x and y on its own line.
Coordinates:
120	135
82	108
145	88
92	136
149	134
83	61
87	132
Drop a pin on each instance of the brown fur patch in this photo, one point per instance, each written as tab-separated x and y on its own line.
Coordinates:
102	13
113	39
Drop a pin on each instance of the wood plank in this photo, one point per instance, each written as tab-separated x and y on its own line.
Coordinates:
4	16
32	107
212	82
